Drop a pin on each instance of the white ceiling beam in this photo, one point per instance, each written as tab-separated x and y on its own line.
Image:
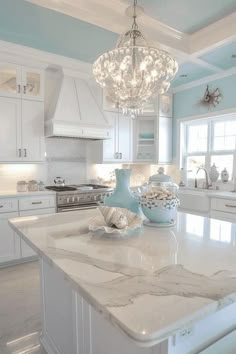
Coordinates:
213	36
204	80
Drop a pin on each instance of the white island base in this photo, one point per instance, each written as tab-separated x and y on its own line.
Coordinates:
72	326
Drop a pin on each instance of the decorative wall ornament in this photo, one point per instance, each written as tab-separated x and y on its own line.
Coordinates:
211	98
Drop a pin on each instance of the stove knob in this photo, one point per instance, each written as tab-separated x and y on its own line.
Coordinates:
72	199
77	198
67	200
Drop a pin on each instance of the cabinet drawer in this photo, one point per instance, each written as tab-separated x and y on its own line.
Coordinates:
221	215
226	205
37	203
8	205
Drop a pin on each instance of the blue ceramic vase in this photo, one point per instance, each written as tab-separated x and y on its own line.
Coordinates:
122	197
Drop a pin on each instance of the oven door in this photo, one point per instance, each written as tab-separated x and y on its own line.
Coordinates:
64	209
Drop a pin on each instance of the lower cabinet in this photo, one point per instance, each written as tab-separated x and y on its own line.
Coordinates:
9	241
12	248
26	251
223	209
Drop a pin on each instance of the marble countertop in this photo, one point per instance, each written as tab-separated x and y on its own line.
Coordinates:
211	193
15	194
150	285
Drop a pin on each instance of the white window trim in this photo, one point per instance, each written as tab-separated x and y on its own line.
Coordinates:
182	140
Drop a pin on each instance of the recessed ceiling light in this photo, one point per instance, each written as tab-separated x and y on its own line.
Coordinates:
183	75
233	56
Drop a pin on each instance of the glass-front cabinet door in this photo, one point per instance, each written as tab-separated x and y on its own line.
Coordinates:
32	84
145	139
10	80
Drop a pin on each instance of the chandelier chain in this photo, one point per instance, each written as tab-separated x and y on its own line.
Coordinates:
135	25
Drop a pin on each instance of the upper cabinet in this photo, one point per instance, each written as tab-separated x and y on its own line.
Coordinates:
146	139
32	131
153	133
32	84
10	132
21	114
10	80
21	82
22	130
118	148
165	106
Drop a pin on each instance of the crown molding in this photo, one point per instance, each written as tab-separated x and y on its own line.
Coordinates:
223	112
204	80
23	55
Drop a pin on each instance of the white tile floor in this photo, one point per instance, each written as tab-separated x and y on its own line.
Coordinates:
20	323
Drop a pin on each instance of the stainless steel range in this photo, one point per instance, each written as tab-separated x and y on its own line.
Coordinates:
78	197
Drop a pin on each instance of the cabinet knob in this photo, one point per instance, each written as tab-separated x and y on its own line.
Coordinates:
19	152
25	152
24	87
18	88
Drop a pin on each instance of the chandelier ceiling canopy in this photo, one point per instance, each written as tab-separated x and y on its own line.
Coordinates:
134	72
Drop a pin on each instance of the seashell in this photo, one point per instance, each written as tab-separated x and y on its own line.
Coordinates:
113	217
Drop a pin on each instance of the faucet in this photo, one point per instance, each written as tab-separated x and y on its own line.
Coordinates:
206	177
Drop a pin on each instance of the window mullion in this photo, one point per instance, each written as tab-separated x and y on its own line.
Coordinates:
209	146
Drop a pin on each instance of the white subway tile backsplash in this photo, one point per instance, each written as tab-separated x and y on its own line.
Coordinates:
65	157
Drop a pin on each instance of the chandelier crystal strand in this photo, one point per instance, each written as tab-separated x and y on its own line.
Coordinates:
134	72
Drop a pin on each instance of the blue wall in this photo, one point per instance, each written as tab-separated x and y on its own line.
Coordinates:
185	102
27	24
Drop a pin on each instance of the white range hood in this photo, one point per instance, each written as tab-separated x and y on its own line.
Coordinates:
74	108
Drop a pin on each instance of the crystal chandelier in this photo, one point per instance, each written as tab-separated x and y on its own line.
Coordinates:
134	72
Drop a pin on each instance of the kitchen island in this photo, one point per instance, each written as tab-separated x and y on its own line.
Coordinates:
163	290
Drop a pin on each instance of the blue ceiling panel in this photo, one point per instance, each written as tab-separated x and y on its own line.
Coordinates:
193	72
24	23
188	15
222	56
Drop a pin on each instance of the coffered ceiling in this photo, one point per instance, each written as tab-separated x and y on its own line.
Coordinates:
200	33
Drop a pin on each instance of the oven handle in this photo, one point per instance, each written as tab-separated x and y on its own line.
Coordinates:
63	210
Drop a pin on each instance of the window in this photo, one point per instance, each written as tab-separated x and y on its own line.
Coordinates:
209	141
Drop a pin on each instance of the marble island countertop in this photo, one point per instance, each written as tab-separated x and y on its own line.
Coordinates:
150	285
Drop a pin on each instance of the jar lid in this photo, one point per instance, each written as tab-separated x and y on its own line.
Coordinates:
160	177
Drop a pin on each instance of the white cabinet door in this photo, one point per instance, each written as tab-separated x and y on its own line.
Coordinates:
10	132
110	145
9	241
32	87
10	80
26	251
165	106
145	137
125	138
33	144
164	142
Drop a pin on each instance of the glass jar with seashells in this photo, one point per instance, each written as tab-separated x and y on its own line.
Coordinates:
159	202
